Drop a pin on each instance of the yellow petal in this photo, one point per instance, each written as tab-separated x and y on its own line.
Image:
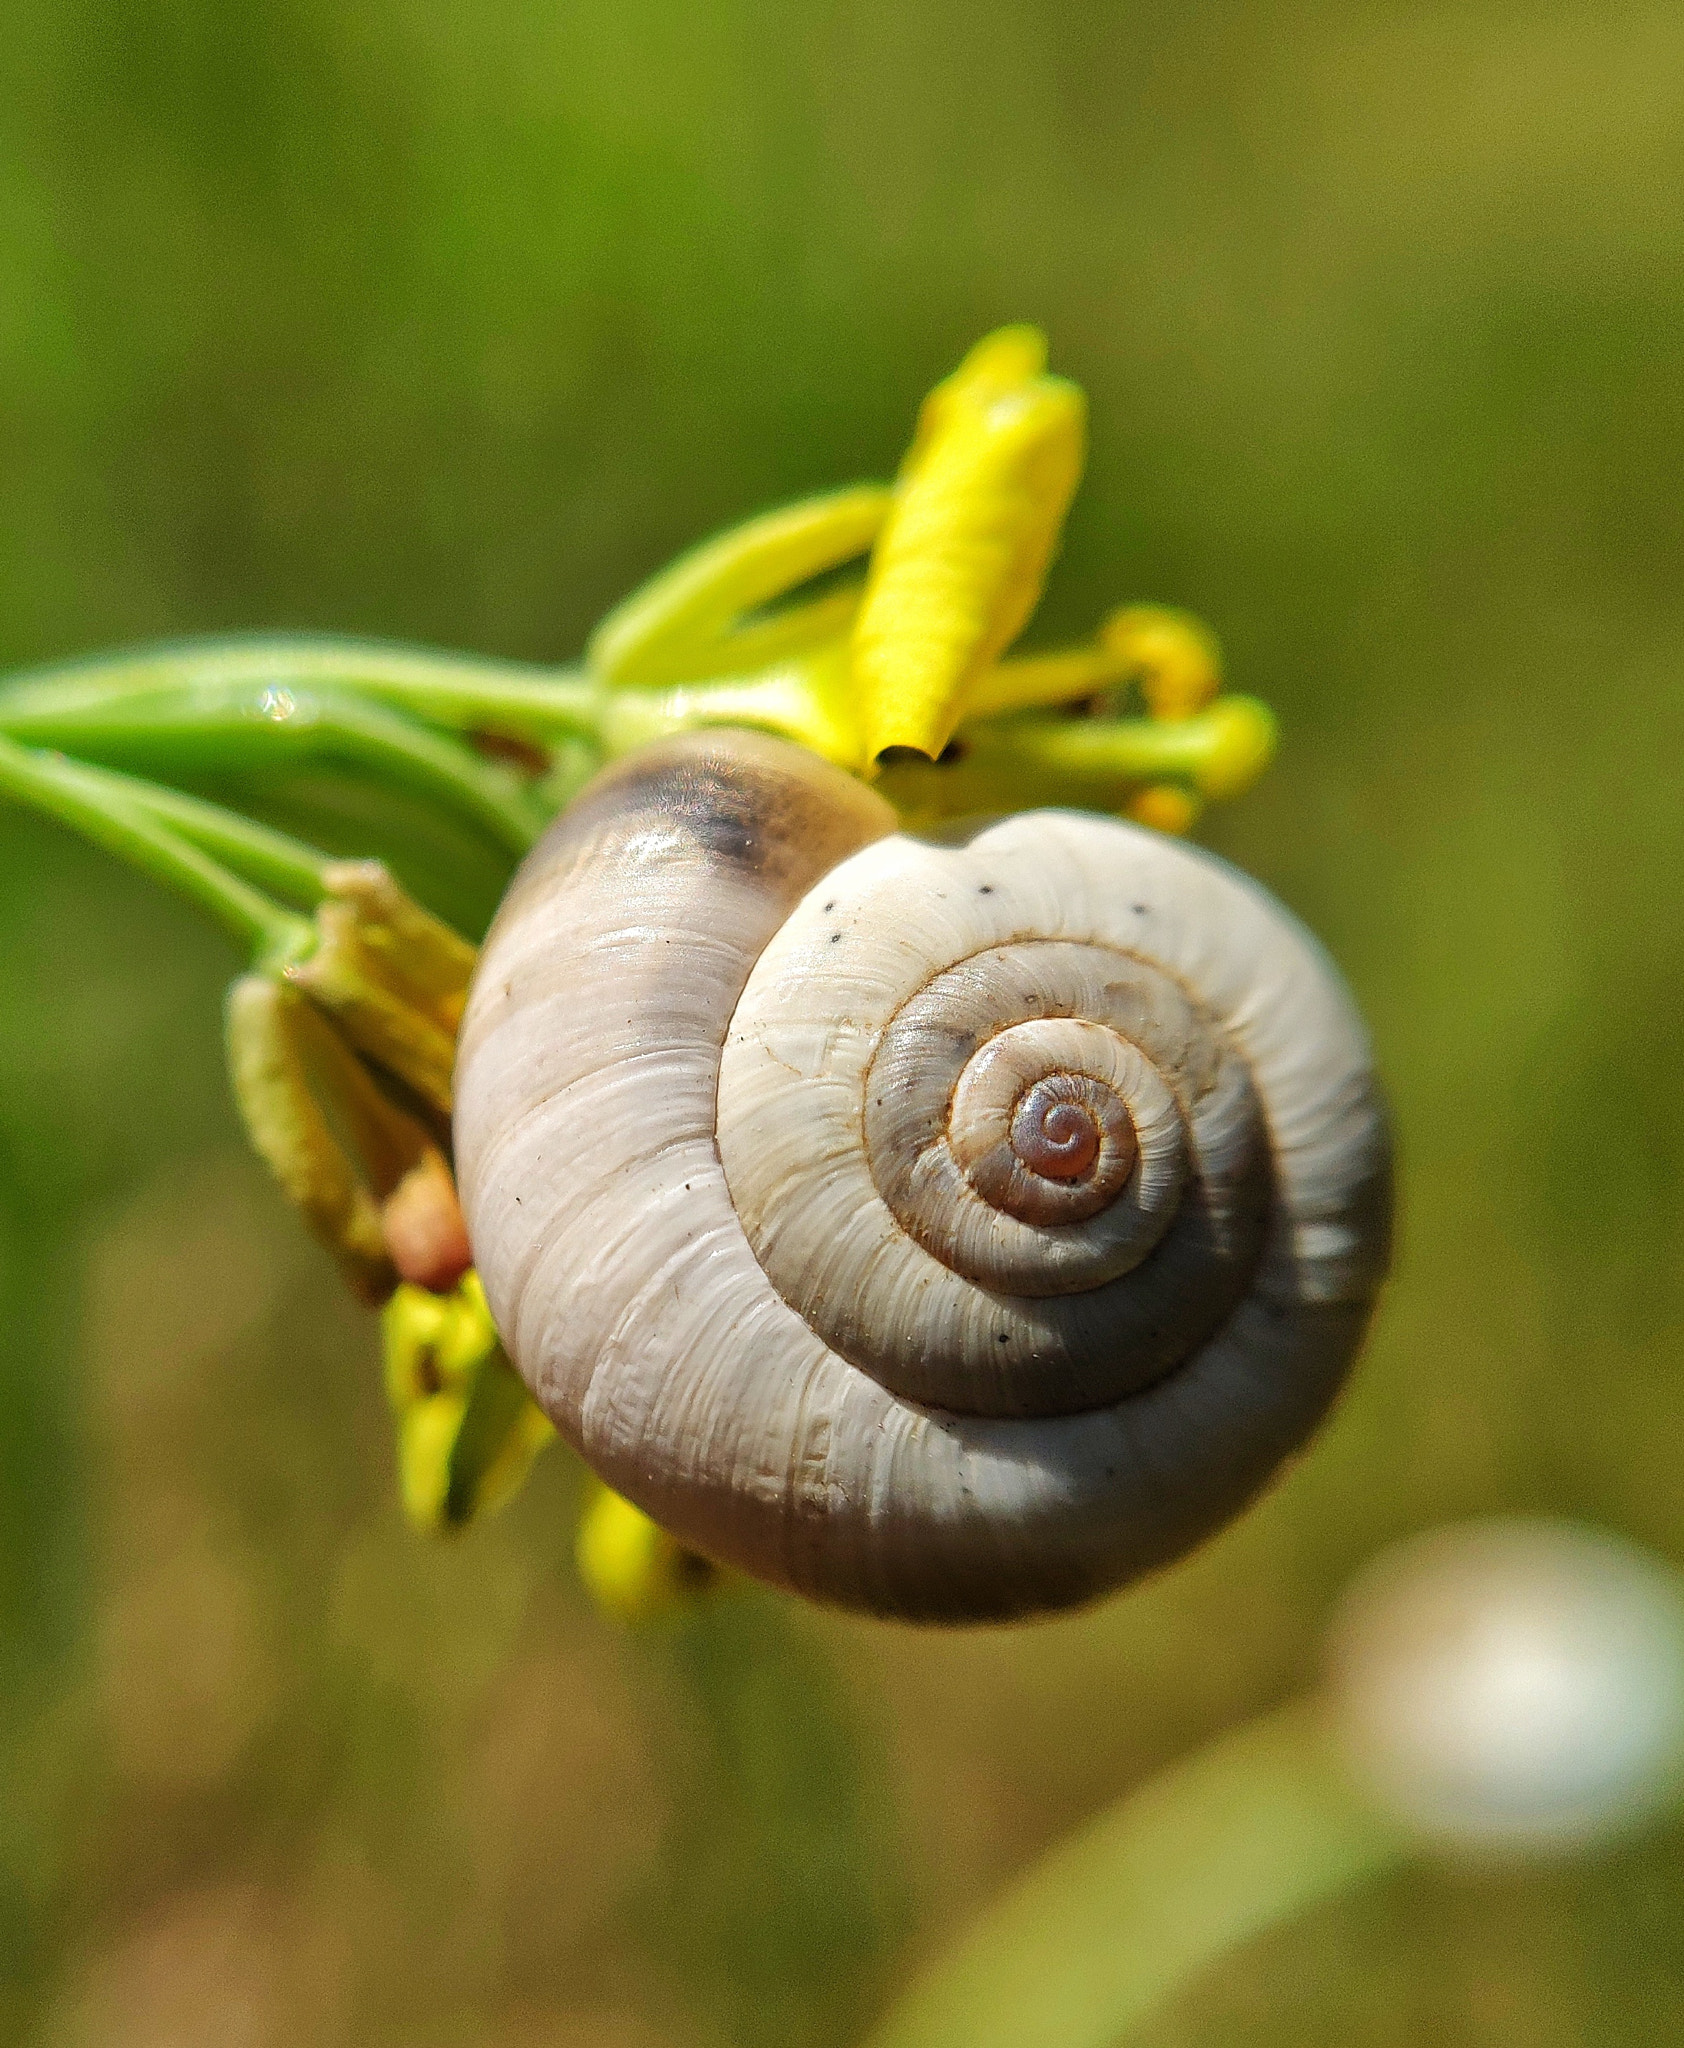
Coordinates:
1175	656
501	1431
1000	362
960	562
467	1428
426	1437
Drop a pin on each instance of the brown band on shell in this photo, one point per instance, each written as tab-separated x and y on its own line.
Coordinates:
720	809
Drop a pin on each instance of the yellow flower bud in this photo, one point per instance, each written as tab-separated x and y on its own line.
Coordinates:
391	974
1241	738
467	1428
386	981
632	1568
1166	808
275	1040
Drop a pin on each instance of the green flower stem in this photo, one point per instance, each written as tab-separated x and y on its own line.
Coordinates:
463	692
1011	764
112	819
702	615
272	860
213	728
1122	1916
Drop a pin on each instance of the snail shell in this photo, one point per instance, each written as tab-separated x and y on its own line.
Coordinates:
947	1230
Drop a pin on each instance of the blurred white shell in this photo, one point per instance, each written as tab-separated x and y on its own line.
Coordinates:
947	1230
1513	1685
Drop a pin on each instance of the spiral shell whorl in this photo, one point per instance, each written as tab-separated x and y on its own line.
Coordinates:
902	990
961	1153
1042	1119
734	1083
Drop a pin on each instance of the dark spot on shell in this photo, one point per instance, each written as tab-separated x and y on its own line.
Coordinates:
830	906
985	888
725	814
836	938
754	804
1140	910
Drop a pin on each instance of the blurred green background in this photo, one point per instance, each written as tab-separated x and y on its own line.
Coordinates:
449	324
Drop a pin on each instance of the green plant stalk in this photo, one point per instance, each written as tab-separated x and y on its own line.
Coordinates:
211	729
780	1901
464	692
112	819
202	704
1127	1912
271	860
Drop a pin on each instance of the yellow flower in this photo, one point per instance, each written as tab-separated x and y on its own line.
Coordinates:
888	674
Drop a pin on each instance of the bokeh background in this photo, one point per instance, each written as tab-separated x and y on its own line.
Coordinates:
449	323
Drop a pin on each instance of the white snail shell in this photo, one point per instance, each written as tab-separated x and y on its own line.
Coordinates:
948	1230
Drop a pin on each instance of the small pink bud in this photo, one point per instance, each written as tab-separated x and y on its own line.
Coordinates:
425	1234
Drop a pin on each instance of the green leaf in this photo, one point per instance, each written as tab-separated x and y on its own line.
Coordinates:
1122	1914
